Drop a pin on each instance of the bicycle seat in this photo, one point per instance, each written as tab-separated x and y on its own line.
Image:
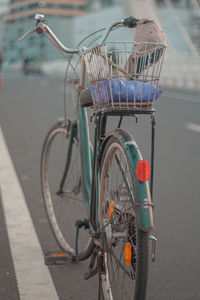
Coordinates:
85	98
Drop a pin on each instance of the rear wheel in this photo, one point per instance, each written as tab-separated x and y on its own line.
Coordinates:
64	205
126	254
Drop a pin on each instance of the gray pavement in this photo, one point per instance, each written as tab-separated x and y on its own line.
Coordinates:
30	105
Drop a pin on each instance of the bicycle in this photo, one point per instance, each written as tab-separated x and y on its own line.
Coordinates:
110	179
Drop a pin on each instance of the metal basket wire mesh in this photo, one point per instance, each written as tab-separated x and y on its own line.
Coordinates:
124	74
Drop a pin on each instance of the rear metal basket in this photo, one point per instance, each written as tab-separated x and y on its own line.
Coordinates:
124	74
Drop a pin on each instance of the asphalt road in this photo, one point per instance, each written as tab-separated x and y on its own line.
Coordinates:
29	106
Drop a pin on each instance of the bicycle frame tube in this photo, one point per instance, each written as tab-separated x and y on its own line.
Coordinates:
85	145
95	182
90	170
90	167
73	135
86	154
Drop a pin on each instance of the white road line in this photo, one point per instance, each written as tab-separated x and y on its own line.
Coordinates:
33	277
193	127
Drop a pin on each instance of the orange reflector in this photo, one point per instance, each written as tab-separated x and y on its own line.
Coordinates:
55	254
110	209
128	254
143	170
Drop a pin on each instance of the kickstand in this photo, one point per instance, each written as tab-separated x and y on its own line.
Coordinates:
101	270
96	267
93	270
100	288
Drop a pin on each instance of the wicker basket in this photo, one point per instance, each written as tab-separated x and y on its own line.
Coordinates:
124	74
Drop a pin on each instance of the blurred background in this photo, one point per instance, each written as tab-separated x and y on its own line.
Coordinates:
72	20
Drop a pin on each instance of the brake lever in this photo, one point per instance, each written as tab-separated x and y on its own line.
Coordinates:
39	29
26	35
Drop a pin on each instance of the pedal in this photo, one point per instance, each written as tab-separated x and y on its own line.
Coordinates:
57	258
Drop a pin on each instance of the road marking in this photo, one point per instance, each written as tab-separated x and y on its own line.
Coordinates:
33	277
193	127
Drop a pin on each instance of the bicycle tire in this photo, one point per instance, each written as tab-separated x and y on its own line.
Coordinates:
121	280
64	210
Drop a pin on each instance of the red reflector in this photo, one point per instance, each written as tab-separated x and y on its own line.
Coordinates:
143	170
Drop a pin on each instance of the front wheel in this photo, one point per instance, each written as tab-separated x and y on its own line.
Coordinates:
62	188
126	256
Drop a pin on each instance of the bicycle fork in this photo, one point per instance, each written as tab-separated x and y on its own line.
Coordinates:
73	135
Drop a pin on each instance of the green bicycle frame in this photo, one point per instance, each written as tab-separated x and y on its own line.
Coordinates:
86	155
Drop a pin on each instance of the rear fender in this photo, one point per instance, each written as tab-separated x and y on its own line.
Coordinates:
142	199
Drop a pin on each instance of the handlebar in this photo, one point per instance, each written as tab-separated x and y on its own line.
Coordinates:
42	28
